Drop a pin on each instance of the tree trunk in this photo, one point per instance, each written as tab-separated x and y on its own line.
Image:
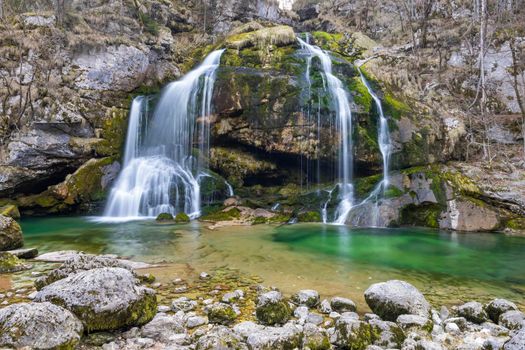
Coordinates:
60	12
483	100
1	9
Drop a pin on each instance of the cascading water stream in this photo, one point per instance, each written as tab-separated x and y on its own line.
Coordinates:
161	170
339	97
385	144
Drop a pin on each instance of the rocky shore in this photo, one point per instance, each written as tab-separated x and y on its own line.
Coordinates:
84	301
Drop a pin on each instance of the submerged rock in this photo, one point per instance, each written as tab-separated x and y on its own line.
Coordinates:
497	307
10	263
39	326
103	298
10	234
393	298
272	308
473	311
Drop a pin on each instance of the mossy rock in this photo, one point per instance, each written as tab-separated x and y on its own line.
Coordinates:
278	35
164	217
280	219
309	216
10	234
182	218
259	220
223	215
517	224
10	210
426	215
221	313
278	312
10	263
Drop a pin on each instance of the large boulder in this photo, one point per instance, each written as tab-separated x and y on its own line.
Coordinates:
79	262
393	298
517	342
10	233
39	326
103	298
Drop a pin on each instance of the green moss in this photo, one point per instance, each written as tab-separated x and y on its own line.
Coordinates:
328	41
426	215
280	219
355	336
164	217
393	192
516	224
10	210
259	220
9	263
361	95
364	185
395	108
182	218
309	216
85	184
274	313
222	314
113	132
222	215
150	26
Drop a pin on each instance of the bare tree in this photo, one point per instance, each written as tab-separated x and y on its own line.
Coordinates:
1	9
60	12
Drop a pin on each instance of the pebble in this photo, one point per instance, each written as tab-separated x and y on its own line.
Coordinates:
204	275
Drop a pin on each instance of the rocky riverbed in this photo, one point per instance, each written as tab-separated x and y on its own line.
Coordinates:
77	300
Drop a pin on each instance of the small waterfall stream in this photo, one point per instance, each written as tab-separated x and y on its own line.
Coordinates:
162	169
341	104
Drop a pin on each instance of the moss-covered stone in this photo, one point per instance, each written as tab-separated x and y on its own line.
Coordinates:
353	334
223	215
221	313
10	263
10	234
426	215
114	133
164	217
277	312
278	35
309	216
516	224
10	210
182	218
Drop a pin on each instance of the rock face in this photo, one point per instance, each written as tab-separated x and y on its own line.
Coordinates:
39	326
391	299
103	298
10	234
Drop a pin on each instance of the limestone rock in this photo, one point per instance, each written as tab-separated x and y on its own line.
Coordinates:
220	337
517	342
163	326
414	322
259	337
183	304
24	253
350	333
473	311
272	308
39	326
10	233
393	298
103	298
10	263
512	319
308	297
497	307
221	313
340	305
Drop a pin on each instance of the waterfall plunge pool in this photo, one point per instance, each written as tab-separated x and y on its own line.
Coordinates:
448	268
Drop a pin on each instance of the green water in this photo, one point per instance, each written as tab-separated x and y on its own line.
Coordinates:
448	267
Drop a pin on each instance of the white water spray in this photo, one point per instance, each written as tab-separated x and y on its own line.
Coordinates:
161	168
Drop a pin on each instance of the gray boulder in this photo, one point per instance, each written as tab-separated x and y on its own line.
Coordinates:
473	312
162	327
307	297
272	308
517	342
220	338
350	333
393	298
76	263
103	299
259	337
512	319
10	234
315	337
340	305
387	334
414	322
39	326
497	307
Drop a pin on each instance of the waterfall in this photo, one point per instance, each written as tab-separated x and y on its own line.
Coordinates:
339	98
230	189
164	160
383	138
